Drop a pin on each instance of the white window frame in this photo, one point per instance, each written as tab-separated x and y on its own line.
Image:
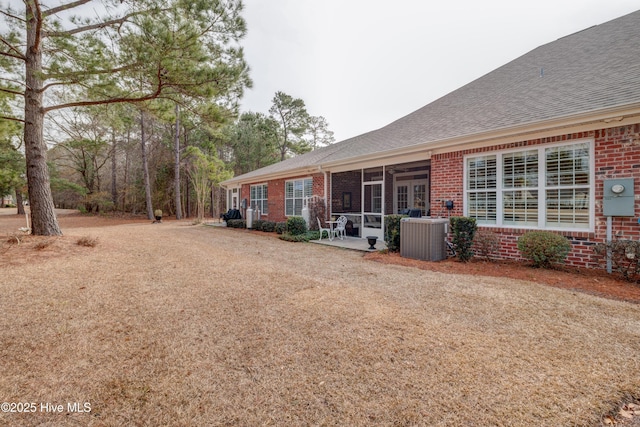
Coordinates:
262	202
542	187
294	198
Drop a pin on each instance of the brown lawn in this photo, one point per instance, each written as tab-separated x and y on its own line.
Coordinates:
175	324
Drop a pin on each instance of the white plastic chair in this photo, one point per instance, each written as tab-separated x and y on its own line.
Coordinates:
328	230
340	230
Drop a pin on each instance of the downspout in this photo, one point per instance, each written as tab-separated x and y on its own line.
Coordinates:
326	192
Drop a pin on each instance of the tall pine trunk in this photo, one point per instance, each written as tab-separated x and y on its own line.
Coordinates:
43	217
19	201
114	176
177	164
145	168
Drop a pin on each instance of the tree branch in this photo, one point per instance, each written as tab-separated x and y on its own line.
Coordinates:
13	92
15	119
36	45
92	73
18	82
10	55
99	25
17	54
148	97
47	86
64	7
87	27
34	8
8	15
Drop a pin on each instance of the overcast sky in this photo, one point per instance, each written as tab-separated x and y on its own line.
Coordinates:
365	63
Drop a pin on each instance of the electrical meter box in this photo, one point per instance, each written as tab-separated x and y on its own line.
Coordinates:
619	199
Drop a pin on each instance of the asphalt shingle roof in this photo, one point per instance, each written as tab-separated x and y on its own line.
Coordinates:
594	69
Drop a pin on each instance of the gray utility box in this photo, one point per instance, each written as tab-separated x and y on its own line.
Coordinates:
619	198
423	238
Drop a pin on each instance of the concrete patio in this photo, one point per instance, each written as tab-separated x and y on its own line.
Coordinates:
354	243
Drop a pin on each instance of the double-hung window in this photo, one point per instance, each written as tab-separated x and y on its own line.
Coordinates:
259	197
539	187
294	194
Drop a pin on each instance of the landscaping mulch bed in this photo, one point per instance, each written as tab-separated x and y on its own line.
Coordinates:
592	281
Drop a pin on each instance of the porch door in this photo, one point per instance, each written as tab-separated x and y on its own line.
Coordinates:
412	194
373	200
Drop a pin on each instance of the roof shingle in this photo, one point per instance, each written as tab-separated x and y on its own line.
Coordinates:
594	69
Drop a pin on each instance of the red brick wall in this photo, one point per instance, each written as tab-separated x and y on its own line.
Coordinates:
276	194
615	157
346	182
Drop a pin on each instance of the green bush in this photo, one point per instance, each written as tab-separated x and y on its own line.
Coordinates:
486	244
544	248
625	257
304	237
463	229
392	232
296	225
257	224
281	227
269	226
237	223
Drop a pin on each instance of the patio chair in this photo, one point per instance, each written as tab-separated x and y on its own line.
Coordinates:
321	228
340	228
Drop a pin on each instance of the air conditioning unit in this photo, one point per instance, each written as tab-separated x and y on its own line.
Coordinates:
423	238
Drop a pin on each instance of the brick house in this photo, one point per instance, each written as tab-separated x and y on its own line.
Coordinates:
536	144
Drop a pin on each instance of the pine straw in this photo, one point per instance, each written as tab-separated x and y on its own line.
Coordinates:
173	324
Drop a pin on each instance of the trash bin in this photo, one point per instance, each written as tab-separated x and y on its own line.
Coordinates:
423	238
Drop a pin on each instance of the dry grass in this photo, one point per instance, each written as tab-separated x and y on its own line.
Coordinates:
87	241
172	324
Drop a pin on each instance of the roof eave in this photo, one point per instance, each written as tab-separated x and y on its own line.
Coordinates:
587	121
273	175
601	119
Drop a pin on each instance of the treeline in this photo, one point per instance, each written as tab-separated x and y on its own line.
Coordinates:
97	158
134	108
98	155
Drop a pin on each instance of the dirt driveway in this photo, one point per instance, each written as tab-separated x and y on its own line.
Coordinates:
175	324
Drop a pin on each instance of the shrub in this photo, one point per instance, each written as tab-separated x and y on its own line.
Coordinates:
268	226
463	229
486	244
296	225
237	223
313	235
281	227
544	248
625	257
294	237
392	232
257	224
